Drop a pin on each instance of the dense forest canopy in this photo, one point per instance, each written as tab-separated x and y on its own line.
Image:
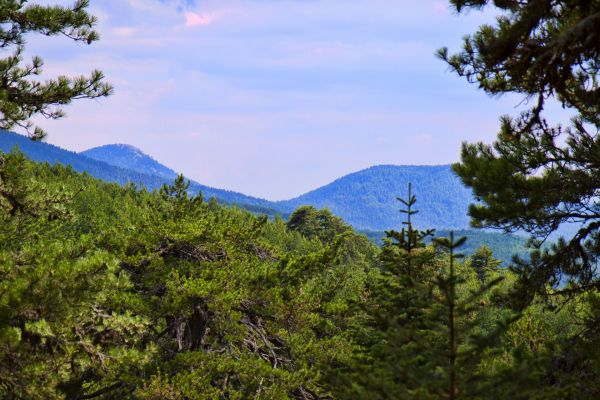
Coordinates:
114	292
120	292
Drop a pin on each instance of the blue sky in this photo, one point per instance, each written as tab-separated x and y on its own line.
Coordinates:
275	98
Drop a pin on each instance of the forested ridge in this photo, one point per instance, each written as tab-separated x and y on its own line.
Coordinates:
118	292
358	198
122	174
128	157
365	199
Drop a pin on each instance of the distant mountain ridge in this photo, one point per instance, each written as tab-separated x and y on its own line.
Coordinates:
129	157
44	152
365	199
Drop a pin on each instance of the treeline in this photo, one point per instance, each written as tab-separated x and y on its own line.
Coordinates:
111	292
365	199
504	246
44	152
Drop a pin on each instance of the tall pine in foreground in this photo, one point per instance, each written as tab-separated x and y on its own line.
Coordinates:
537	177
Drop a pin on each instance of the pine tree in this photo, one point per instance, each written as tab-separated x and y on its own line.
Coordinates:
409	238
537	177
483	263
448	287
398	340
60	332
22	94
313	223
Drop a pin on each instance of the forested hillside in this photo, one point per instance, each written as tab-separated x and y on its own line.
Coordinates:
112	292
367	199
121	171
125	164
152	287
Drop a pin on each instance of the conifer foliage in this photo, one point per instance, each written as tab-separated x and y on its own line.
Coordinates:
537	177
22	94
111	292
409	238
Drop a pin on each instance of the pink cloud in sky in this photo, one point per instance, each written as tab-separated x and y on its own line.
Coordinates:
124	31
195	19
441	7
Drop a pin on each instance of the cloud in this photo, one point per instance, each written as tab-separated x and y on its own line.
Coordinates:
196	19
441	7
124	31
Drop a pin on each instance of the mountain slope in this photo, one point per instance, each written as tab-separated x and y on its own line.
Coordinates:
367	199
44	152
129	157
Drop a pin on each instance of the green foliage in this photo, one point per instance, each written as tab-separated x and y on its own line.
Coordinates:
115	292
55	292
542	48
108	290
504	246
313	223
22	94
409	238
537	177
483	263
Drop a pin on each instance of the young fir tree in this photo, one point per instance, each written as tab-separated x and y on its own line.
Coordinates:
392	364
447	285
423	343
409	238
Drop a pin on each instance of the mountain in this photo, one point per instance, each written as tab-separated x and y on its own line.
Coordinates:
367	199
130	157
44	152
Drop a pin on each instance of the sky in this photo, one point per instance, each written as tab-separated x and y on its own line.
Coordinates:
273	98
